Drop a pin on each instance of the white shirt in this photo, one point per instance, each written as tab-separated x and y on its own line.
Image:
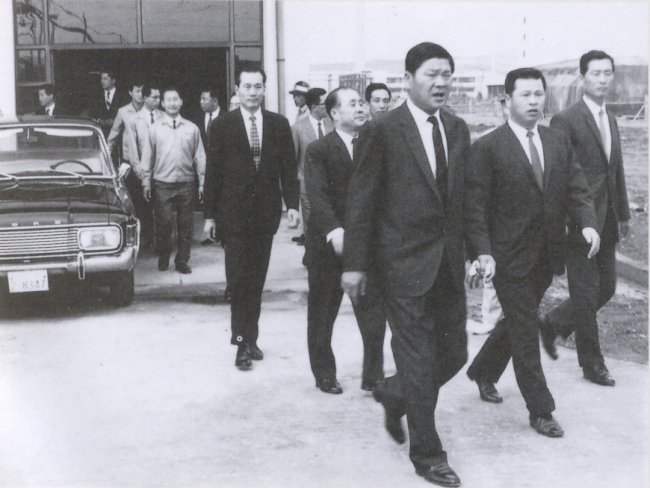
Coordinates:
108	95
595	109
49	110
347	140
207	119
314	123
521	132
426	132
248	123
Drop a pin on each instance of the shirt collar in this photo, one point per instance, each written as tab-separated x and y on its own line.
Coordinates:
111	91
593	106
215	113
347	138
420	116
166	119
521	132
51	107
247	115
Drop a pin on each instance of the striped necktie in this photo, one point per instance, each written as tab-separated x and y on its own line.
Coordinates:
255	143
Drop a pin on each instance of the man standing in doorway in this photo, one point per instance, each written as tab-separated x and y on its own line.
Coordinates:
299	93
313	127
592	282
124	114
171	161
404	210
210	110
105	107
251	169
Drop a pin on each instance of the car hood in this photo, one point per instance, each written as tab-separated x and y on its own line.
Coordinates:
59	204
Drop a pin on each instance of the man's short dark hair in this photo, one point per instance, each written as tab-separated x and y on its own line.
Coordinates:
591	56
135	81
249	67
147	88
109	72
332	100
424	51
48	88
524	74
312	97
168	89
211	90
376	86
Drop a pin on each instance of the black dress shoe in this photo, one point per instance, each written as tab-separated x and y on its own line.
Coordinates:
488	391
546	425
369	385
243	359
163	263
183	268
300	240
548	334
392	422
329	386
597	373
256	353
227	295
440	474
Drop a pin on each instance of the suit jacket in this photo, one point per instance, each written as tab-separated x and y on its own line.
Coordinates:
508	216
394	208
328	169
606	179
199	120
303	135
239	198
107	115
56	111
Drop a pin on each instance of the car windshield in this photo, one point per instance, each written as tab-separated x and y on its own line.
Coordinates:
39	151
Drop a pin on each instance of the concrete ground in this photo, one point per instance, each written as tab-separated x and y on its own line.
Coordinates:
148	396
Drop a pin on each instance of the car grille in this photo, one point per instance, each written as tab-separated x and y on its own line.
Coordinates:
36	242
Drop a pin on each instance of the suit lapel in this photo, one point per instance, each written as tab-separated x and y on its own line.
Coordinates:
514	149
549	148
591	123
411	133
450	135
241	131
616	143
343	154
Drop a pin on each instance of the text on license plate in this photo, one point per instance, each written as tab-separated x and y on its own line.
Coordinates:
26	281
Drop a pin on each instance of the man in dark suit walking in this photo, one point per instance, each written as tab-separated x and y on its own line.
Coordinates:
252	168
521	183
404	211
210	110
328	169
592	282
108	103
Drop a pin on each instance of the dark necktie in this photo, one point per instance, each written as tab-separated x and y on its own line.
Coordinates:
536	163
108	100
603	130
152	117
255	143
441	159
207	127
320	130
174	123
354	145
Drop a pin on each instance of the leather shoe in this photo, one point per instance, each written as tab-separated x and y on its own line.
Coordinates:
163	263
243	359
488	391
183	268
597	373
392	422
329	386
548	334
369	385
546	426
440	474
256	353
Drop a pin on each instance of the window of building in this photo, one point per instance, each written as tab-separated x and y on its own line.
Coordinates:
31	66
248	21
185	20
29	22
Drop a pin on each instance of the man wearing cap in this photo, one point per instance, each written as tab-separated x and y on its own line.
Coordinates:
299	93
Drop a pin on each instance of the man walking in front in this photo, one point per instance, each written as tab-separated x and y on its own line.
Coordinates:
404	211
521	184
328	170
304	132
251	169
171	160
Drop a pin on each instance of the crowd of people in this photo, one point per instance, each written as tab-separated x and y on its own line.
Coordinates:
393	204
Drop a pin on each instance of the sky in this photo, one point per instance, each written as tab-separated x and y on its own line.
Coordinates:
344	31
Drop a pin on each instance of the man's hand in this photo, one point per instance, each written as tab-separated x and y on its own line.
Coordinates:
336	238
210	228
623	228
146	191
472	278
486	267
294	218
592	237
200	193
354	284
124	170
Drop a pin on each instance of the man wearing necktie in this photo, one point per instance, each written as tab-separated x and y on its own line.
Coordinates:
328	169
404	216
522	182
251	169
105	108
316	125
47	100
210	110
592	282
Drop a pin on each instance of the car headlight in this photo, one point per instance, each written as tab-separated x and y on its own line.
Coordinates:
100	238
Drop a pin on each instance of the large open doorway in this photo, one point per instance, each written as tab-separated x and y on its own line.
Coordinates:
189	69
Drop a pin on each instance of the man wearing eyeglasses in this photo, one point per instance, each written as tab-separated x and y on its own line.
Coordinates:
313	127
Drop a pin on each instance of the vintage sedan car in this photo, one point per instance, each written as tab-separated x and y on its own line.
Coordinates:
64	213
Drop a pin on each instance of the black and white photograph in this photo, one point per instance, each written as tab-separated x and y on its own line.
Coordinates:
310	243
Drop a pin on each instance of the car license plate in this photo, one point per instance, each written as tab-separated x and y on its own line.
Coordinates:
26	281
